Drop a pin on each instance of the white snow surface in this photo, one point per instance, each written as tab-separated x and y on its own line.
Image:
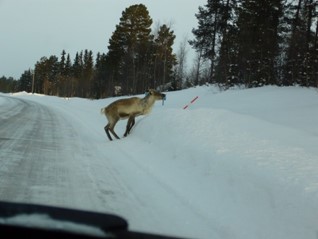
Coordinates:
241	163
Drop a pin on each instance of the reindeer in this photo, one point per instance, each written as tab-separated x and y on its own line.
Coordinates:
129	108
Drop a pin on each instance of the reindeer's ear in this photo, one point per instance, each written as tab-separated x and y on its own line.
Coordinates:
150	91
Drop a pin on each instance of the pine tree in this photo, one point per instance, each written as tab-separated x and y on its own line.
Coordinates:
258	41
46	75
128	46
208	32
53	74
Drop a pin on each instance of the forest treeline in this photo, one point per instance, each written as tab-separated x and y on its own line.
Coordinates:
245	42
258	43
138	58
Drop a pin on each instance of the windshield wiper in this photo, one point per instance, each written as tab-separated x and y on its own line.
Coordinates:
18	220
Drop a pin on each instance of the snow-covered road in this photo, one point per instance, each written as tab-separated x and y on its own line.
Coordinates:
40	160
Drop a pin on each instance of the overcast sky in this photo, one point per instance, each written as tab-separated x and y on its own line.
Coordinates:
31	29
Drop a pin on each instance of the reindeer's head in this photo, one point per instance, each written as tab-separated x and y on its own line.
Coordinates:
156	94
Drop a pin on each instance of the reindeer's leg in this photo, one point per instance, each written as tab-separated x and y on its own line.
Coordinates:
110	128
113	132
106	128
130	124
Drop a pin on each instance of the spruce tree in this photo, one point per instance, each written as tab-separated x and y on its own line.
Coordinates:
88	71
25	81
226	72
165	59
62	62
302	60
8	84
102	82
77	72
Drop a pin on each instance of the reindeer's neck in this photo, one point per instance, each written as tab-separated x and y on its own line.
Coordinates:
146	103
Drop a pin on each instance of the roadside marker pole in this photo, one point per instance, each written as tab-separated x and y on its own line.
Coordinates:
191	102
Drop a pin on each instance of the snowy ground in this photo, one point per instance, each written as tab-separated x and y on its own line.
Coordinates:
234	164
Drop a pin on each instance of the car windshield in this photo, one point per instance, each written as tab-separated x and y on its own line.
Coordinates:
168	114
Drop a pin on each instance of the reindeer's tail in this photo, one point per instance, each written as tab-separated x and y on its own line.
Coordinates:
102	110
